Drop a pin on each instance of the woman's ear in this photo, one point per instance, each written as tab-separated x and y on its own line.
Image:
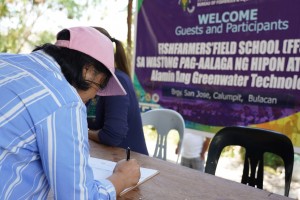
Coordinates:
84	71
88	72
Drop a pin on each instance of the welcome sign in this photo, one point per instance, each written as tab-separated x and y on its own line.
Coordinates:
221	63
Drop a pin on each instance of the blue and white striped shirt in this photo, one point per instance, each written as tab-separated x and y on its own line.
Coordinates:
43	133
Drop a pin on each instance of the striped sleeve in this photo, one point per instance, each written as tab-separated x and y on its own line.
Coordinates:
64	150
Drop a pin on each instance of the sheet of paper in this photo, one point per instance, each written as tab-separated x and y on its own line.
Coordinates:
104	168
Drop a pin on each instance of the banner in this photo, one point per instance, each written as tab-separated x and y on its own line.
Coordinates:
221	62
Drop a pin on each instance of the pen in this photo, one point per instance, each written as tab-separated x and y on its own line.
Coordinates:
128	153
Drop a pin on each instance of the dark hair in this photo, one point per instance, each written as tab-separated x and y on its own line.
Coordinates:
72	62
120	56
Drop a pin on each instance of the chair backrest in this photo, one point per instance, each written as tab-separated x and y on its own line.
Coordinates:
256	142
163	120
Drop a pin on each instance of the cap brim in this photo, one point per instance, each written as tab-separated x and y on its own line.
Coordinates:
113	87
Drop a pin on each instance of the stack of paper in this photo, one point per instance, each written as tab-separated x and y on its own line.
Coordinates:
104	168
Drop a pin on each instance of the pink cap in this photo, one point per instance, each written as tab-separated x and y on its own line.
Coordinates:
93	43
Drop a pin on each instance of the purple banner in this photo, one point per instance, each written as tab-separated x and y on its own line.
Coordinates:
221	63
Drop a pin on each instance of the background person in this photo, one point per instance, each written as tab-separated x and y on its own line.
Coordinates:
116	120
43	126
193	150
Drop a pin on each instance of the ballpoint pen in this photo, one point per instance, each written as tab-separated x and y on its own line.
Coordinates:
127	153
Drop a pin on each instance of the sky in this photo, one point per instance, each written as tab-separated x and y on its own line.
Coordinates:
111	15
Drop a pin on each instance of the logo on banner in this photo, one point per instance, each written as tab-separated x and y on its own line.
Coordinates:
186	6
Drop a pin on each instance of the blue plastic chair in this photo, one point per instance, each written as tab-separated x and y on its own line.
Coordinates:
256	142
163	120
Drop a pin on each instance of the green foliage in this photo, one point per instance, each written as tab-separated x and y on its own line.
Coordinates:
44	37
10	41
229	151
3	8
19	17
150	132
270	159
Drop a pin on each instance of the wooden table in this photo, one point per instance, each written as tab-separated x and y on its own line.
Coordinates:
182	183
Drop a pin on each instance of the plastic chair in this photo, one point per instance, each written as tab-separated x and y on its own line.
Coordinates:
163	120
256	142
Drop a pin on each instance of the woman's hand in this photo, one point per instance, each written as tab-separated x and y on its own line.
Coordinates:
93	135
126	174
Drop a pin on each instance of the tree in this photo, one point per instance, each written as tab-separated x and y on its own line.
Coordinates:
129	24
19	17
